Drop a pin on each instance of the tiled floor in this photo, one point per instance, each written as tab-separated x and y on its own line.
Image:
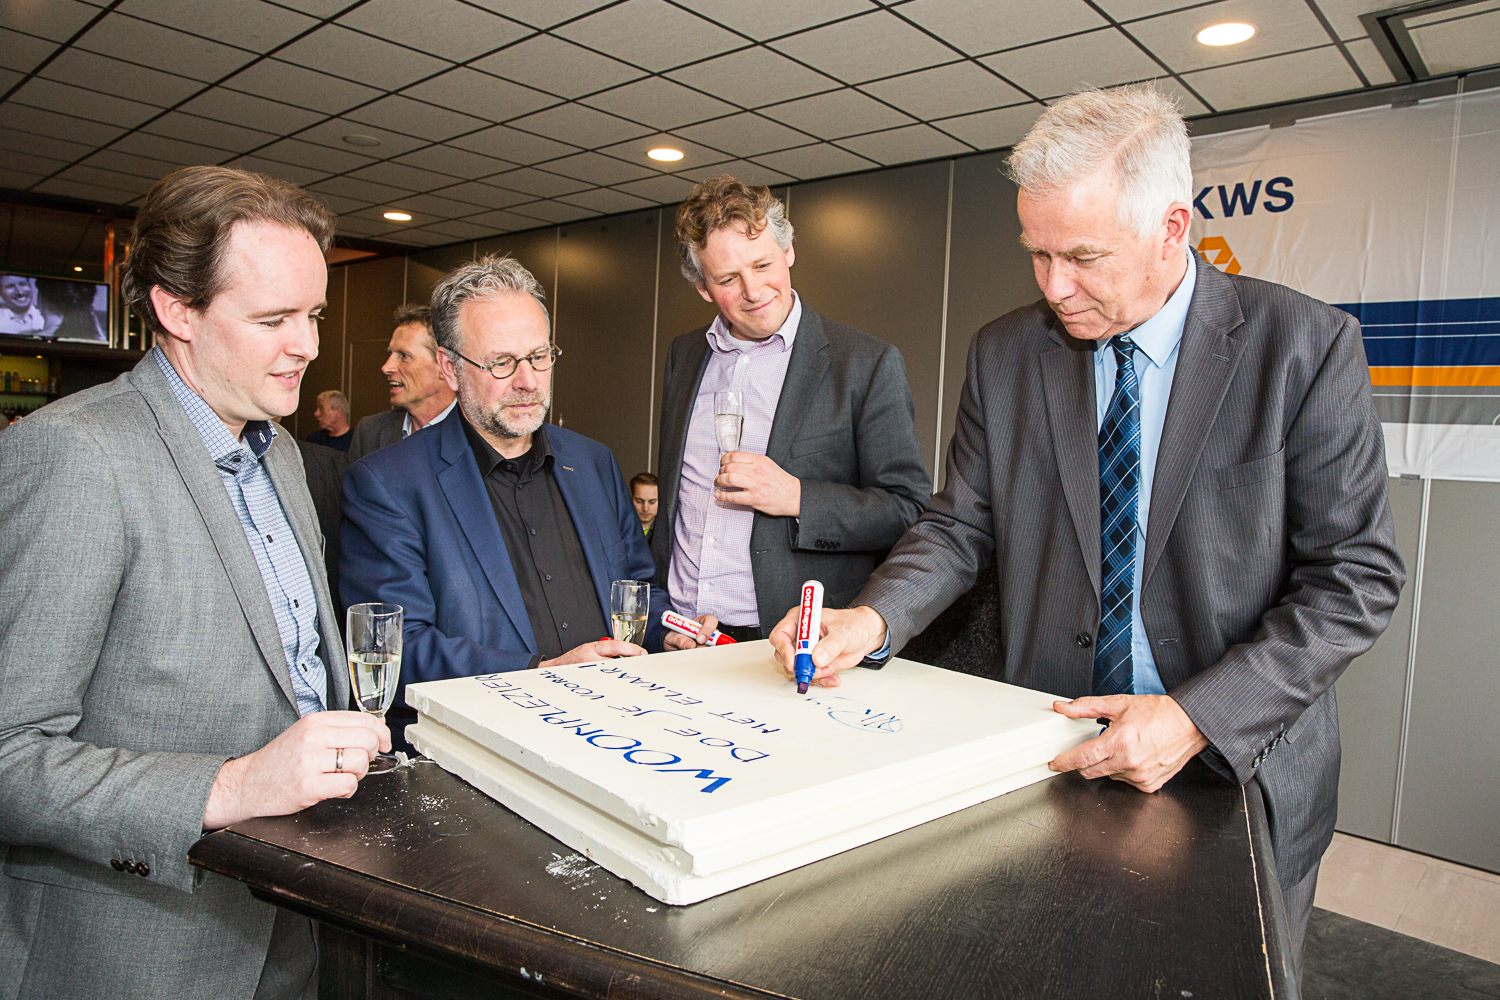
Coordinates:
1433	900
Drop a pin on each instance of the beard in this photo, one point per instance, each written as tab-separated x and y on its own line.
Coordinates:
492	418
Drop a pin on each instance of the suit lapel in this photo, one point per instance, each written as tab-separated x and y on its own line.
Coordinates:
804	370
1068	383
565	467
1206	363
471	507
212	500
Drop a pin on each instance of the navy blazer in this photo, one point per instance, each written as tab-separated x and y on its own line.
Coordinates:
420	531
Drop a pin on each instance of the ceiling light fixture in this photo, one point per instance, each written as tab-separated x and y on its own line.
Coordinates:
78	269
361	140
1230	33
398	216
666	154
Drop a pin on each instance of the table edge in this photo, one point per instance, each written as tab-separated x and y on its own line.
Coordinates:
1275	931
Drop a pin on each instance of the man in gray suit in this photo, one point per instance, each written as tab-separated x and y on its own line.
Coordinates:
827	473
1181	478
168	646
419	396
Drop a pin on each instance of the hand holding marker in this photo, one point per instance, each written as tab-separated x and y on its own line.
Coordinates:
688	627
809	631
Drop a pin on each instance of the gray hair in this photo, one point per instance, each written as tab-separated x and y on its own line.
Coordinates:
484	278
1137	129
335	399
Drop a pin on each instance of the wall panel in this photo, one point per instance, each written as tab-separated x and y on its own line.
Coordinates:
536	249
376	289
679	310
326	370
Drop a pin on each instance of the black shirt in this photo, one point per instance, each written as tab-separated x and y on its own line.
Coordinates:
327	440
545	552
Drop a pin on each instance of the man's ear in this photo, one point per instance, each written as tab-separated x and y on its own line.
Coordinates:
1179	219
703	291
448	368
174	314
791	256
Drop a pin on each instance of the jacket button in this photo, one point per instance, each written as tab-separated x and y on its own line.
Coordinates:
1084	639
142	869
117	864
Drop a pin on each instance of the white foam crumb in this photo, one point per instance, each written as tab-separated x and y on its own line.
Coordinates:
650	909
572	866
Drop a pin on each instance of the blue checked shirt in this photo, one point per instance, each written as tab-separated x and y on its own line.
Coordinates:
282	568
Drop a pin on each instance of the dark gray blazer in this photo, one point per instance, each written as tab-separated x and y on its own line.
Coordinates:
325	467
1270	557
844	427
377	431
138	653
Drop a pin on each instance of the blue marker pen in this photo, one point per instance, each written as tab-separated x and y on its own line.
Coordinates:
809	631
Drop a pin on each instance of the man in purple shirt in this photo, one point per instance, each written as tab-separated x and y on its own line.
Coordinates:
828	473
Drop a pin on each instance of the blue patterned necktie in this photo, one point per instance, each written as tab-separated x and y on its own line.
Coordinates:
1119	495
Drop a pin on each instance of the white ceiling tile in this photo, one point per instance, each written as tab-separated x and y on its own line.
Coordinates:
580	126
480	94
250	23
23	52
557	67
1279	78
665	190
595	168
332	132
58	20
479	197
863	48
348	187
455	162
141	41
1344	14
1068	65
1133	10
445	28
318	157
100	177
401	176
408	117
41	145
1457	39
956	89
17	159
994	129
191	128
18	180
56	126
286	171
9	78
841	113
1189	105
746	134
160	147
301	86
609	201
417	238
85	192
763	19
507	143
340	206
503	222
317	8
461	230
1371	61
659	103
650	33
542	13
1281	26
821	160
754	77
63	98
537	183
349	226
750	173
85	69
635	150
903	145
553	211
353	56
980	26
251	112
128	163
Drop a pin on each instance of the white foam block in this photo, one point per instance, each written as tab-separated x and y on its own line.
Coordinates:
695	773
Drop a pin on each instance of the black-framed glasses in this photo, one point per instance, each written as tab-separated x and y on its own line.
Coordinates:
539	360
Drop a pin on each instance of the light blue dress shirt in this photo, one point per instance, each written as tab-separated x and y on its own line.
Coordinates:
277	554
1156	342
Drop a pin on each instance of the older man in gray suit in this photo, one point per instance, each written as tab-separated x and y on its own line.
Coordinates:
1181	478
168	646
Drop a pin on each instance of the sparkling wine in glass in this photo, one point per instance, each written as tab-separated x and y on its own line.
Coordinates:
374	645
629	604
729	419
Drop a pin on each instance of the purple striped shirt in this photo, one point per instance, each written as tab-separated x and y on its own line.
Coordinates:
711	572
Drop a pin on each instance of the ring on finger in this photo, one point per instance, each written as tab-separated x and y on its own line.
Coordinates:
338	759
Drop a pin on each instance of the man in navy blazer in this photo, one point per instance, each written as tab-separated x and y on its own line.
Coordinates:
499	534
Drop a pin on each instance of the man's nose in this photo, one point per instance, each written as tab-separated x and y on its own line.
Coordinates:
389	368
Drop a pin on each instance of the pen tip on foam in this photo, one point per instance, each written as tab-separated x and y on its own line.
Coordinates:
802	687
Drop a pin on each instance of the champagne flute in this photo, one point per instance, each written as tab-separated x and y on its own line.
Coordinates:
729	418
629	604
374	646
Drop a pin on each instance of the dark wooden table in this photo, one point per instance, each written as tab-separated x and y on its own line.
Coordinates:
1067	888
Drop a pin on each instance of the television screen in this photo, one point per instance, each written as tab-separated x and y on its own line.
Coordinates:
54	308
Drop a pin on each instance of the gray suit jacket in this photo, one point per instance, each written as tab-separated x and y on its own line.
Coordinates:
377	431
844	427
138	653
1270	557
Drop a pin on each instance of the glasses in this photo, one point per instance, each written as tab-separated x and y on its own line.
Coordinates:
539	361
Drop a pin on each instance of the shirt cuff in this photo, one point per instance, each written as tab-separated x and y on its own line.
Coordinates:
881	655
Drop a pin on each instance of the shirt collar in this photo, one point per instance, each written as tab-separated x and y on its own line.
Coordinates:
721	342
406	430
221	445
1159	336
488	458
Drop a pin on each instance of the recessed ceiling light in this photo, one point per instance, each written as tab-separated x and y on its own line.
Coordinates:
361	140
1230	33
78	269
666	154
398	216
